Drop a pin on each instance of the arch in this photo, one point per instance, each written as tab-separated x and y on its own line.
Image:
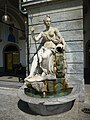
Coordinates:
12	48
11	57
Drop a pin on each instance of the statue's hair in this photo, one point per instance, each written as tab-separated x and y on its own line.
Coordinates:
47	16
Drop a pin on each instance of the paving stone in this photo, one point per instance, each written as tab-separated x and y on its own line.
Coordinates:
12	108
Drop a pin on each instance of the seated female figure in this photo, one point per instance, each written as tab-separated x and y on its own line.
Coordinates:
45	56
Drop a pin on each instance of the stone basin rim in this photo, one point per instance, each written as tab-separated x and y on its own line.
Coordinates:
49	101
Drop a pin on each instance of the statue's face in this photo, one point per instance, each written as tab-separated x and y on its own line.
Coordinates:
47	21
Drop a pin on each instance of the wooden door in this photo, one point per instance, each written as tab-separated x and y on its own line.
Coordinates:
11	60
9	66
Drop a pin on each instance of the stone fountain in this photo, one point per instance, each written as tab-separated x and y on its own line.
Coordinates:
54	96
46	90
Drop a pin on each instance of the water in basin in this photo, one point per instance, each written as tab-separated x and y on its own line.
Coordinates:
33	93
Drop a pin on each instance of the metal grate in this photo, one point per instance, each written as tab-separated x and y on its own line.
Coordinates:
86	110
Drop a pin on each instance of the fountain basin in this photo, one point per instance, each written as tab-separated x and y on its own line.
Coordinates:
50	105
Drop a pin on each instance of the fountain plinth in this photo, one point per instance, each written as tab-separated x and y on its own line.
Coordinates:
52	103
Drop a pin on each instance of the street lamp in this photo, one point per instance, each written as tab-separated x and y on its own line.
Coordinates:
5	17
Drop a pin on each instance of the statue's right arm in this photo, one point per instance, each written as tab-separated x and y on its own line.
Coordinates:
35	38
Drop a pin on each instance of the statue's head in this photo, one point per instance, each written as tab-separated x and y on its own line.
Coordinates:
47	20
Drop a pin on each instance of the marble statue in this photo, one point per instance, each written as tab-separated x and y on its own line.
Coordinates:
44	60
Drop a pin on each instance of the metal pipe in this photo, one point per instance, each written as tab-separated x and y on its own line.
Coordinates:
27	41
20	8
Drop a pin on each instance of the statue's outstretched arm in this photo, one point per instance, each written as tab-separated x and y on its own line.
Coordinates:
36	38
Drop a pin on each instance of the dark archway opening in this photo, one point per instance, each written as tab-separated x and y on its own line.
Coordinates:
87	69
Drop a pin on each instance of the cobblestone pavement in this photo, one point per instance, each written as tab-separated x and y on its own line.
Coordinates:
12	108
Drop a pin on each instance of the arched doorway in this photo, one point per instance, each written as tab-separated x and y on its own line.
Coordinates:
11	57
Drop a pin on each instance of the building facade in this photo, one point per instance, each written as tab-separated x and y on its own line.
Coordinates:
12	39
71	17
68	17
